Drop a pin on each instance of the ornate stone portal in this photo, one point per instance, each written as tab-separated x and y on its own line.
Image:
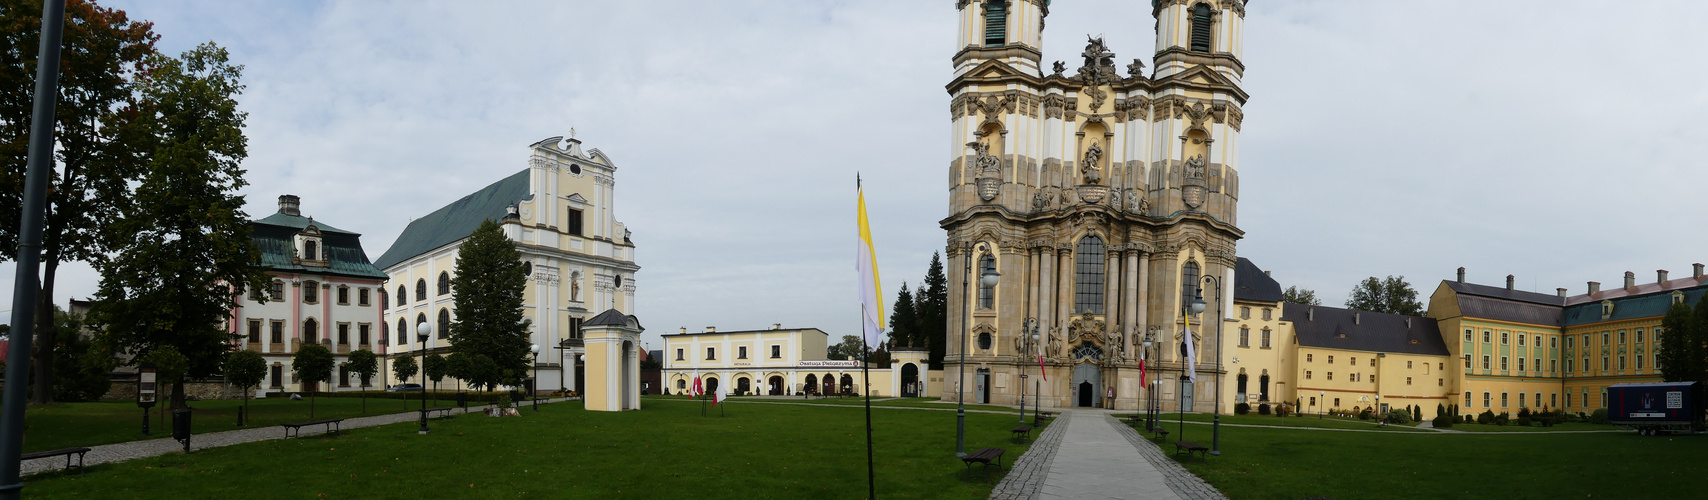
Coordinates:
1105	199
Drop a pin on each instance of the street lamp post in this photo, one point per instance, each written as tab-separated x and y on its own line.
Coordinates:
987	278
422	329
534	381
1322	404
1198	308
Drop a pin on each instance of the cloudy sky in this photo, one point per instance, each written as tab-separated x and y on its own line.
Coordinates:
1561	141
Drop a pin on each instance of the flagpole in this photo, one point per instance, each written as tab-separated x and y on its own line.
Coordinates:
866	376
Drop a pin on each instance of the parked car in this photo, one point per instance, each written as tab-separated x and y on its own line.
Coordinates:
405	388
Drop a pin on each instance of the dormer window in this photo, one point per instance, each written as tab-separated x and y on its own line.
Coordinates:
1606	309
1201	23
311	250
995	23
1677	298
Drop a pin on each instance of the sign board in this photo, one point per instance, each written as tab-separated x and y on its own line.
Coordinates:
147	386
832	363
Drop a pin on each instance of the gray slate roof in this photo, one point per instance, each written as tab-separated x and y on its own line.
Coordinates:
1250	283
275	236
613	317
1503	293
1499	303
457	220
1333	327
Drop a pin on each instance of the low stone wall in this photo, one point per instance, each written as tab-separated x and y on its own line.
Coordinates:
202	389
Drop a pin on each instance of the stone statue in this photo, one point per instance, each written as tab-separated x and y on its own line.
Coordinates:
575	289
1067	197
1195	167
1059	67
1136	201
1055	345
1092	168
1136	69
985	162
1039	200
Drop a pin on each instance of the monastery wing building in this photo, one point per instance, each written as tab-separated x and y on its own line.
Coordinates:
581	260
1102	195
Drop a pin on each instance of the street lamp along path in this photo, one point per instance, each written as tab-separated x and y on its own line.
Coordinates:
422	329
988	278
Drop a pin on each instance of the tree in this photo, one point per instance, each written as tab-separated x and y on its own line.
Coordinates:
1392	295
365	363
404	368
904	319
1298	295
181	253
483	372
80	371
457	367
487	291
169	369
932	306
312	364
1683	353
245	369
434	369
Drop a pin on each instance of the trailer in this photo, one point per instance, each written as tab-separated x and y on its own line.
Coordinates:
1656	408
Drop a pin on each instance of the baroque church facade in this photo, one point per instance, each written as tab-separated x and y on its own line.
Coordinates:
1105	201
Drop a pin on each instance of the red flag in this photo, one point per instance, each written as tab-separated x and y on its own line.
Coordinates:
1041	368
696	391
1142	373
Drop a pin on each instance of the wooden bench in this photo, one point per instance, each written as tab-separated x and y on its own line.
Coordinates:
985	457
1161	433
443	412
68	452
1191	447
1024	431
332	426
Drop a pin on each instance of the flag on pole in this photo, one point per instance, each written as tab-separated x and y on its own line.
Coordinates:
1142	372
1041	368
721	394
695	391
1191	352
866	262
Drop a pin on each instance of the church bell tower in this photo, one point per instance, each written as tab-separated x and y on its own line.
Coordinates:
1104	195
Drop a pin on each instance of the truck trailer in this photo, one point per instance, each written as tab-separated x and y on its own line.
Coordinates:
1657	407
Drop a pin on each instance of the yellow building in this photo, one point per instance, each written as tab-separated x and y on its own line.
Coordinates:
1260	344
1352	360
1103	199
783	362
1611	336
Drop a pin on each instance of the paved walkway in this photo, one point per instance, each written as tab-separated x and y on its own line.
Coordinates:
119	452
1088	454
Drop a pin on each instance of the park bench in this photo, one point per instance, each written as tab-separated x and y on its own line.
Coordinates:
1024	431
984	457
1161	433
332	426
443	412
1191	447
68	452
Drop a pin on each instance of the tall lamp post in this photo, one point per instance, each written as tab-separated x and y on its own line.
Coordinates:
421	331
534	381
987	278
1198	308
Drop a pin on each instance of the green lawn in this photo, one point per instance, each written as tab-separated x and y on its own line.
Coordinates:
1299	463
666	450
87	424
1512	427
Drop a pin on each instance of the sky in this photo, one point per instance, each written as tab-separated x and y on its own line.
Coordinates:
1561	142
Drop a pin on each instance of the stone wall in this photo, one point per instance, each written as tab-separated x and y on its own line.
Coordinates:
202	389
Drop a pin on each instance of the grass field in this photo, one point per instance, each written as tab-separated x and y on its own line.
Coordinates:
1263	463
105	422
666	450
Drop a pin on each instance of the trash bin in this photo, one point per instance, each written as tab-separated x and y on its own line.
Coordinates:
181	427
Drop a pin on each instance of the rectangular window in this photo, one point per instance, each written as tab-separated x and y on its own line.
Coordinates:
1266	316
1568	342
1088	276
1538	342
572	223
1352	361
741	352
362	297
1505	337
343	295
343	333
776	351
1485	361
1521	401
1441	382
1467	339
1467	399
1553	366
1603	338
1621	362
255	294
1337	402
1503	400
343	376
1329	376
278	291
1244	312
1486	400
1621	336
1467	361
1503	364
1244	337
277	332
1568	366
1331	359
711	353
254	331
1372	362
1520	364
1604	363
1313	400
1307	358
1520	339
1408	380
1639	335
1408	365
1265	338
679	355
1307	374
1604	398
362	333
1485	336
575	330
310	292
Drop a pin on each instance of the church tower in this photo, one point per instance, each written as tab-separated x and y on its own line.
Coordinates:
1103	196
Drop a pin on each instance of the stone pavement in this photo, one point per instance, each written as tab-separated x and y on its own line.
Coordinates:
119	452
1088	454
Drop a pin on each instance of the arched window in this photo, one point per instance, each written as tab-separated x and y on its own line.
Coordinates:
984	341
444	322
402	332
1188	283
420	290
995	23
311	331
444	283
402	296
1240	385
1088	269
1201	22
987	294
310	292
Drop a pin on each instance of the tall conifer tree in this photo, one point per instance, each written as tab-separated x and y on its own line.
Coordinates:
933	310
904	320
487	291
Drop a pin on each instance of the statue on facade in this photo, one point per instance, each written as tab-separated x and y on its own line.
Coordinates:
1055	343
1195	167
1091	168
1059	67
575	288
1040	201
1136	201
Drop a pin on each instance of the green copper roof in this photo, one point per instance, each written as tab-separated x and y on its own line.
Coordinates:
457	220
275	236
1642	306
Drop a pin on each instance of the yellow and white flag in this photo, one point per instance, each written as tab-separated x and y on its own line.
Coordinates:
871	303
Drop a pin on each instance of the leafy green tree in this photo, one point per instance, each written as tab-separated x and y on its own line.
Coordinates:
103	53
80	370
487	291
904	319
434	369
1298	295
1683	355
404	368
170	366
365	364
313	364
483	372
457	367
1392	295
185	232
932	306
245	369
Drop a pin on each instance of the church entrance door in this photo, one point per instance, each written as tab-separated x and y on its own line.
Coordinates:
1085	392
1087	384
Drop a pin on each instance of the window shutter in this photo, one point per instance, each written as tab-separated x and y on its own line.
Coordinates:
995	24
1201	28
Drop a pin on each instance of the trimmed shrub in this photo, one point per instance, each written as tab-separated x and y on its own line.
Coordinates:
1282	410
1486	417
1524	413
1364	414
1502	419
1524	421
1399	416
1263	409
1241	408
1599	417
1443	421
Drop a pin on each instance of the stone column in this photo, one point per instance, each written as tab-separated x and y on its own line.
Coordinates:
1064	297
1129	299
1111	286
1046	292
1142	275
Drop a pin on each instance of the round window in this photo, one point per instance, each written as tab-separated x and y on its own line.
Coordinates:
575	169
619	280
527	269
984	340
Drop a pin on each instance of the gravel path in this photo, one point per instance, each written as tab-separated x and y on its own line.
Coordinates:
119	452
